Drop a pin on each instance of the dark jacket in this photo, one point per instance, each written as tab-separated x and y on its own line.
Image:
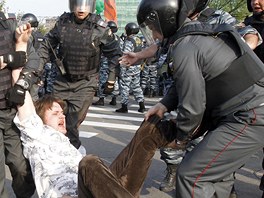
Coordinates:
197	59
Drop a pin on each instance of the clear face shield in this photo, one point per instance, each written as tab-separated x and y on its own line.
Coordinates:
151	29
82	6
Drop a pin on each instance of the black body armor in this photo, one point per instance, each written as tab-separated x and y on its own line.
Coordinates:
6	47
79	51
247	68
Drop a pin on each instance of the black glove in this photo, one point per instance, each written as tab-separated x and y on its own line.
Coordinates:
108	88
16	59
15	96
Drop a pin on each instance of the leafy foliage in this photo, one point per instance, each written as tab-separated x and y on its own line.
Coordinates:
2	5
237	8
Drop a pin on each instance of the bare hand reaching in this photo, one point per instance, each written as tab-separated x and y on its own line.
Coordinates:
158	109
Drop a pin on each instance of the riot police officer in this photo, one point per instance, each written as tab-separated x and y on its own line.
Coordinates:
81	36
195	96
36	34
130	76
11	152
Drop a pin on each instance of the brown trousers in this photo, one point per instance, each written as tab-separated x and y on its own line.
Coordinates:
125	176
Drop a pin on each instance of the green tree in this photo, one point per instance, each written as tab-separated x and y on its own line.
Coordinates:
237	8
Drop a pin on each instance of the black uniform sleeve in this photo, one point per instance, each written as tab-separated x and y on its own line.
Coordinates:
187	96
44	50
31	66
111	50
170	100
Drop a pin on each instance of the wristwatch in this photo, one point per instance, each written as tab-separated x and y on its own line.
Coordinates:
24	84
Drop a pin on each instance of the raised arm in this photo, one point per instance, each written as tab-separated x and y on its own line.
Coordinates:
22	35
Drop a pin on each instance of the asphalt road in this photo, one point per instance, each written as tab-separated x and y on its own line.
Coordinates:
105	133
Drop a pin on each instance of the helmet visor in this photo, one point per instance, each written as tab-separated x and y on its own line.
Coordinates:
82	6
151	29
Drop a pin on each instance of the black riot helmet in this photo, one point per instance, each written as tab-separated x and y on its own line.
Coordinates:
164	16
249	7
131	28
143	40
112	26
30	18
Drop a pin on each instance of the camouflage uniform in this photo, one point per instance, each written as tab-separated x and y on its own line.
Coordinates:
149	77
49	76
130	76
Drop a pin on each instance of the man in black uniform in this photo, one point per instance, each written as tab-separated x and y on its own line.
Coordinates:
218	79
10	144
81	37
257	21
36	34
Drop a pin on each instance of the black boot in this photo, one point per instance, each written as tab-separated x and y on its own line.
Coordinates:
123	109
168	183
141	107
99	102
113	101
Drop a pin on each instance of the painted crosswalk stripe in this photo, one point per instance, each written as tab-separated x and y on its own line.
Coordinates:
110	125
114	117
85	134
109	109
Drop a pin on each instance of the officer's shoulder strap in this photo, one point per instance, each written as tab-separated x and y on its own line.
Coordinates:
65	17
205	14
3	20
206	29
97	19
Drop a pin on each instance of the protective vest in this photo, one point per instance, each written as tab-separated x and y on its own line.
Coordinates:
247	68
259	26
6	47
136	41
79	51
38	38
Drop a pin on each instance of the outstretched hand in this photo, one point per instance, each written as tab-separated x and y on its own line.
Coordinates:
128	58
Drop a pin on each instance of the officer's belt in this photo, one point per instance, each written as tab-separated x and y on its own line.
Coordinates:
78	77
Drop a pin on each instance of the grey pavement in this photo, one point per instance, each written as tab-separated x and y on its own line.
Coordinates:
105	133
